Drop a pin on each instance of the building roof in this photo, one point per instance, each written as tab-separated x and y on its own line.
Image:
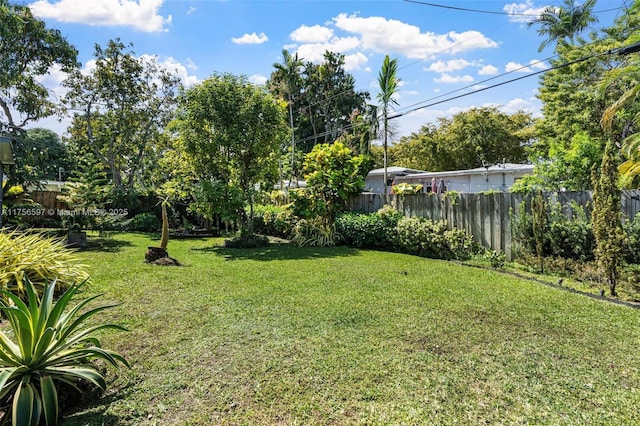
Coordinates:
495	169
394	171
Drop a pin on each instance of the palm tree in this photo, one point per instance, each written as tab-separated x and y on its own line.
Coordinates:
289	75
388	82
561	23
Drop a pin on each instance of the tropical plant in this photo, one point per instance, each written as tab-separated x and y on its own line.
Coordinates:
561	23
49	347
314	232
37	259
388	81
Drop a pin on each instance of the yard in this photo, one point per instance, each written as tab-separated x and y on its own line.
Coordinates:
289	335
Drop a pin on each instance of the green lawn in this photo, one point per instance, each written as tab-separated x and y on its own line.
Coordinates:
289	335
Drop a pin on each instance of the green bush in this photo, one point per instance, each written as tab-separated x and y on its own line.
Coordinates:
43	347
632	229
366	230
145	222
277	221
426	238
562	236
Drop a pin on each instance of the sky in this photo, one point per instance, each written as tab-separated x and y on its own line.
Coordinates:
442	52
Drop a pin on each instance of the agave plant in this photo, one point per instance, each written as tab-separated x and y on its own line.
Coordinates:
49	347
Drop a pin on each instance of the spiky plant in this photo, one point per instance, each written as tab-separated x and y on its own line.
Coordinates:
48	346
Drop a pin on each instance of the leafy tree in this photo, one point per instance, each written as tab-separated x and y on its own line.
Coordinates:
575	96
607	217
563	23
28	50
230	129
122	107
566	168
388	81
467	140
332	173
40	155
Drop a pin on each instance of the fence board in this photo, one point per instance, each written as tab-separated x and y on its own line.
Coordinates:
485	216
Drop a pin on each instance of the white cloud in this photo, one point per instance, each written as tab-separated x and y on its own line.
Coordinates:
258	79
175	67
449	79
355	61
488	70
390	36
523	12
314	34
453	65
516	67
191	10
142	15
315	52
252	38
533	65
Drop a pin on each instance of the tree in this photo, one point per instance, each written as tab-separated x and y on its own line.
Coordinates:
332	173
566	168
287	77
231	130
28	50
561	23
122	107
388	81
466	141
607	217
40	155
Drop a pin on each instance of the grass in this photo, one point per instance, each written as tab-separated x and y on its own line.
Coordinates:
339	336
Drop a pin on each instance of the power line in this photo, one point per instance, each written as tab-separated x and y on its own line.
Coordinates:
566	64
492	12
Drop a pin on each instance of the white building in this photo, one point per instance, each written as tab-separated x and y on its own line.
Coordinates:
374	182
499	177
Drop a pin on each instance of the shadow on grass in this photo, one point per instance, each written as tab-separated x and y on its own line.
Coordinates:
89	409
108	245
279	252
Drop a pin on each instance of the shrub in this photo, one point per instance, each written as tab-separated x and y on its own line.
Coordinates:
277	221
632	230
48	347
145	222
38	259
314	233
366	230
426	238
568	236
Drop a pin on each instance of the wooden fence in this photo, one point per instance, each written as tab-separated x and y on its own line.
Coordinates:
485	216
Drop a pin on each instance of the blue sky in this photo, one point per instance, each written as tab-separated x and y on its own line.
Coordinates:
439	50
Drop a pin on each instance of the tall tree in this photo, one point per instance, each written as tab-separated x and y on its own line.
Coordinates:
559	24
287	77
231	129
388	81
28	50
467	140
122	107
